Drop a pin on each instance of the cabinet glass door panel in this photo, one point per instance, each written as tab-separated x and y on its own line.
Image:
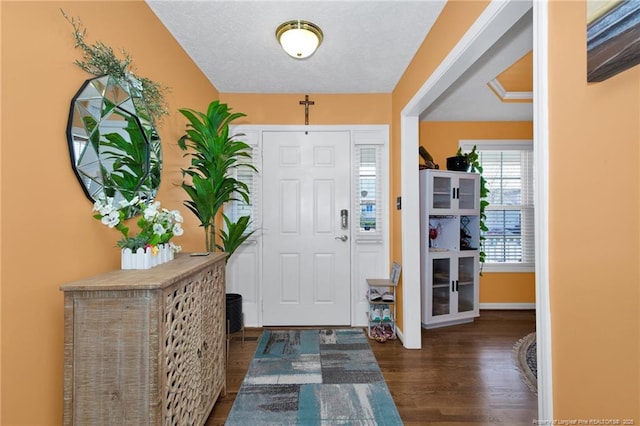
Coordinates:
442	187
467	194
441	294
466	269
465	297
466	289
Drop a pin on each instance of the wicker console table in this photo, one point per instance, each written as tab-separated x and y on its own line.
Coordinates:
146	347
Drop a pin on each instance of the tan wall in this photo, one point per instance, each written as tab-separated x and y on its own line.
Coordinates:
48	234
456	17
594	139
328	109
441	140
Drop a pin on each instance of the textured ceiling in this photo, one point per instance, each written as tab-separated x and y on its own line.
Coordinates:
367	46
471	99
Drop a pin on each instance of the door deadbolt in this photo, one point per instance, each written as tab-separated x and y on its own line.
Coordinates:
344	219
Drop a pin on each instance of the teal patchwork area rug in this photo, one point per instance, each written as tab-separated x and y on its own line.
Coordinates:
314	377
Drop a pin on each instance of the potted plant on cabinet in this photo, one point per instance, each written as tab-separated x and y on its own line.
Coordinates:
459	162
214	155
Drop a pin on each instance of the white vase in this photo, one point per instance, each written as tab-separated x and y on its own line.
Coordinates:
145	258
140	259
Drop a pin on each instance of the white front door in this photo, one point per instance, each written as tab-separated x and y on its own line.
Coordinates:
306	250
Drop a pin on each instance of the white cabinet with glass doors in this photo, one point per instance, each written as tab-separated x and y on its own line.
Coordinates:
449	244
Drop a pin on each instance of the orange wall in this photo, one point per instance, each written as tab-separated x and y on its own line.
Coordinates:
48	234
441	140
455	19
594	218
328	109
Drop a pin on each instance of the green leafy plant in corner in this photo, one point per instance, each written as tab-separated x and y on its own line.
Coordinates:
235	234
214	154
473	158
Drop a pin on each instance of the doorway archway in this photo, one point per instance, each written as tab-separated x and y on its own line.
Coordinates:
497	18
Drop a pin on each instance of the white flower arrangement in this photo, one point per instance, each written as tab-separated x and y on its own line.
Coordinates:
157	225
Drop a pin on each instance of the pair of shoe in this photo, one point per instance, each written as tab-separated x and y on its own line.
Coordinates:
382	333
375	296
376	314
388	331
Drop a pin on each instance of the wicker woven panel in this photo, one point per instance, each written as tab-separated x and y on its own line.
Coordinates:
208	367
194	347
182	352
213	326
112	382
219	330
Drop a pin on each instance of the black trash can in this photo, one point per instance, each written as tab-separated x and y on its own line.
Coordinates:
234	312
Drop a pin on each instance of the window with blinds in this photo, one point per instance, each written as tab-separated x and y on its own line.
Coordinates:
368	197
238	208
508	170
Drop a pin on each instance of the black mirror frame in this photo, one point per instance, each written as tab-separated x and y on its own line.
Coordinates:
147	132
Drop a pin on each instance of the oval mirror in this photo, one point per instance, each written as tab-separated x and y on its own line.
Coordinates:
114	146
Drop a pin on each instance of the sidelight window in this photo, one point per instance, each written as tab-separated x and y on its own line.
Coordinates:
238	208
368	197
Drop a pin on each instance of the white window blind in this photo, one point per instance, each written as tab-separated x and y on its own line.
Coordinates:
239	208
508	171
368	197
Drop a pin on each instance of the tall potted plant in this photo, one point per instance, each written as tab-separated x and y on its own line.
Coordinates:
214	155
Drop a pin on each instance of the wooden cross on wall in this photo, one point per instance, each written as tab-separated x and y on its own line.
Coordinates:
306	104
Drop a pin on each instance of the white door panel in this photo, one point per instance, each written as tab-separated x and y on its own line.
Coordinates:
243	271
369	262
306	264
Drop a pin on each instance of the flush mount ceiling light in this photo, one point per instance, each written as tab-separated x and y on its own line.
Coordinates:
299	38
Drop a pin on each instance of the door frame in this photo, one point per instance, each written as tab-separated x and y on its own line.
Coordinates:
359	134
497	18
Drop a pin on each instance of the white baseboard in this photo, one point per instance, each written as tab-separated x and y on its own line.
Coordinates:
507	306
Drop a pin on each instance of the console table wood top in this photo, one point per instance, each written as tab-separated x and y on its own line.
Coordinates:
158	277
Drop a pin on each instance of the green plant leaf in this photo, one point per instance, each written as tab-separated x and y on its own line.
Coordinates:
473	157
213	155
234	235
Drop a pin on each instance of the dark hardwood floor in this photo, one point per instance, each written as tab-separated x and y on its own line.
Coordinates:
463	375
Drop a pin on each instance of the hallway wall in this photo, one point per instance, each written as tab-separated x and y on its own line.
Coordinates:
49	236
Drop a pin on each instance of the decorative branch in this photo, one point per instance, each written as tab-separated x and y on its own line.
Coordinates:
99	59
